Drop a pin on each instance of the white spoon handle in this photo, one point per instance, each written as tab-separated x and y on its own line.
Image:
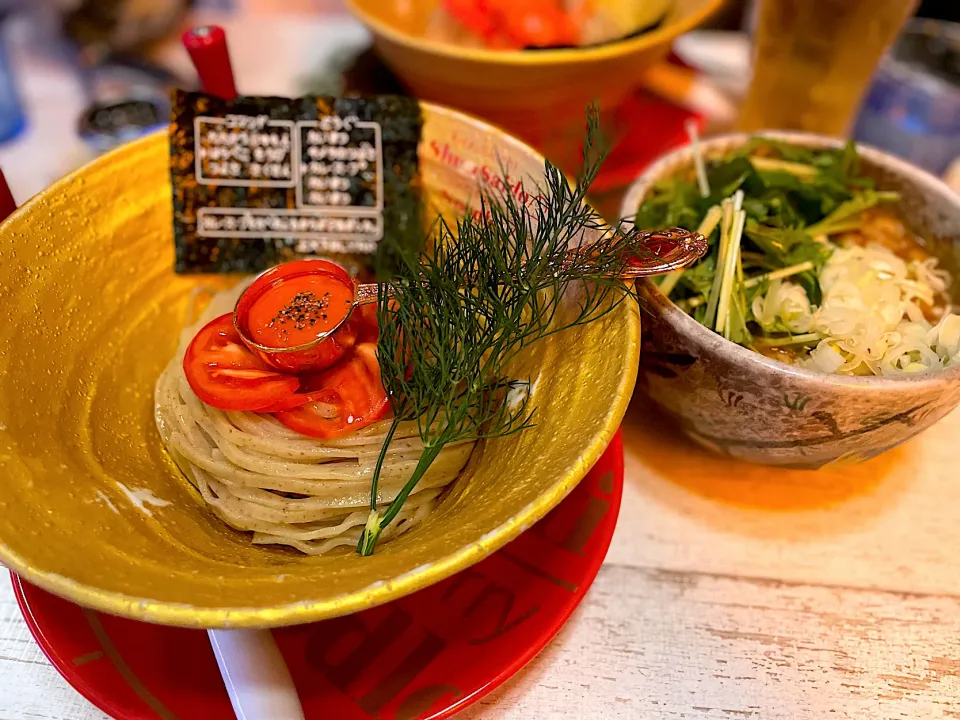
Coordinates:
256	676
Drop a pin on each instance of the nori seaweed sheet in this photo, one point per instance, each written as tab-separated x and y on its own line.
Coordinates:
401	123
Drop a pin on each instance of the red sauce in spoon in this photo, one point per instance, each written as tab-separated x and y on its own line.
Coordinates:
296	310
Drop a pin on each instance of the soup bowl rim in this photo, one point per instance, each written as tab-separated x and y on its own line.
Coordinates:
687	327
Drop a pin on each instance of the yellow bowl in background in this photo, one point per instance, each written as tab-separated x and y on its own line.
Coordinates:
540	96
91	507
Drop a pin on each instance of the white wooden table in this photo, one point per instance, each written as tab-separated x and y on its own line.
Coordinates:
730	591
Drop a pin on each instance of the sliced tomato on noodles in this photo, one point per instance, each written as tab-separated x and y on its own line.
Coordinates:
225	374
368	331
346	397
289	402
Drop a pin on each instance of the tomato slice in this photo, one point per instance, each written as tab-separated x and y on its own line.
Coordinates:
289	402
225	374
346	397
368	331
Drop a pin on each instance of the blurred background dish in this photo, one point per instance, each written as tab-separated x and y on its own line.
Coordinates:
539	96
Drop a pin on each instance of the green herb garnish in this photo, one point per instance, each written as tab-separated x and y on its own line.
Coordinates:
493	285
778	206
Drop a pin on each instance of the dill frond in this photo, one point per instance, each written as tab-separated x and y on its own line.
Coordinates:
453	319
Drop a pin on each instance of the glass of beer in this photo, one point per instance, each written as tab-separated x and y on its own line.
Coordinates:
813	60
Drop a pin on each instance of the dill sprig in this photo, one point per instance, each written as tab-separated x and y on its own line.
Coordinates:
497	281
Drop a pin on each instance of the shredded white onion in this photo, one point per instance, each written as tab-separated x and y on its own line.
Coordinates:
871	320
784	304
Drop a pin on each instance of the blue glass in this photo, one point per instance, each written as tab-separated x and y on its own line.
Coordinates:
11	109
912	109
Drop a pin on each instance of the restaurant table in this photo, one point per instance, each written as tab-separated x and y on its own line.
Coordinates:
730	591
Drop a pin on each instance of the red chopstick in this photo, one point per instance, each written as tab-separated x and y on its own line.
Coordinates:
208	50
7	203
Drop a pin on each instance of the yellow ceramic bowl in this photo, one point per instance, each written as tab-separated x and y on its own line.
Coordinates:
91	507
533	94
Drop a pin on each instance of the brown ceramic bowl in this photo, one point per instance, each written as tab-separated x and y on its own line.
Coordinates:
743	404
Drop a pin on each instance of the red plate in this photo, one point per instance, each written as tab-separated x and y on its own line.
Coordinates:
427	655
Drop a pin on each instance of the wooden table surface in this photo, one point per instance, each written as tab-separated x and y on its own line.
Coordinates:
730	591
